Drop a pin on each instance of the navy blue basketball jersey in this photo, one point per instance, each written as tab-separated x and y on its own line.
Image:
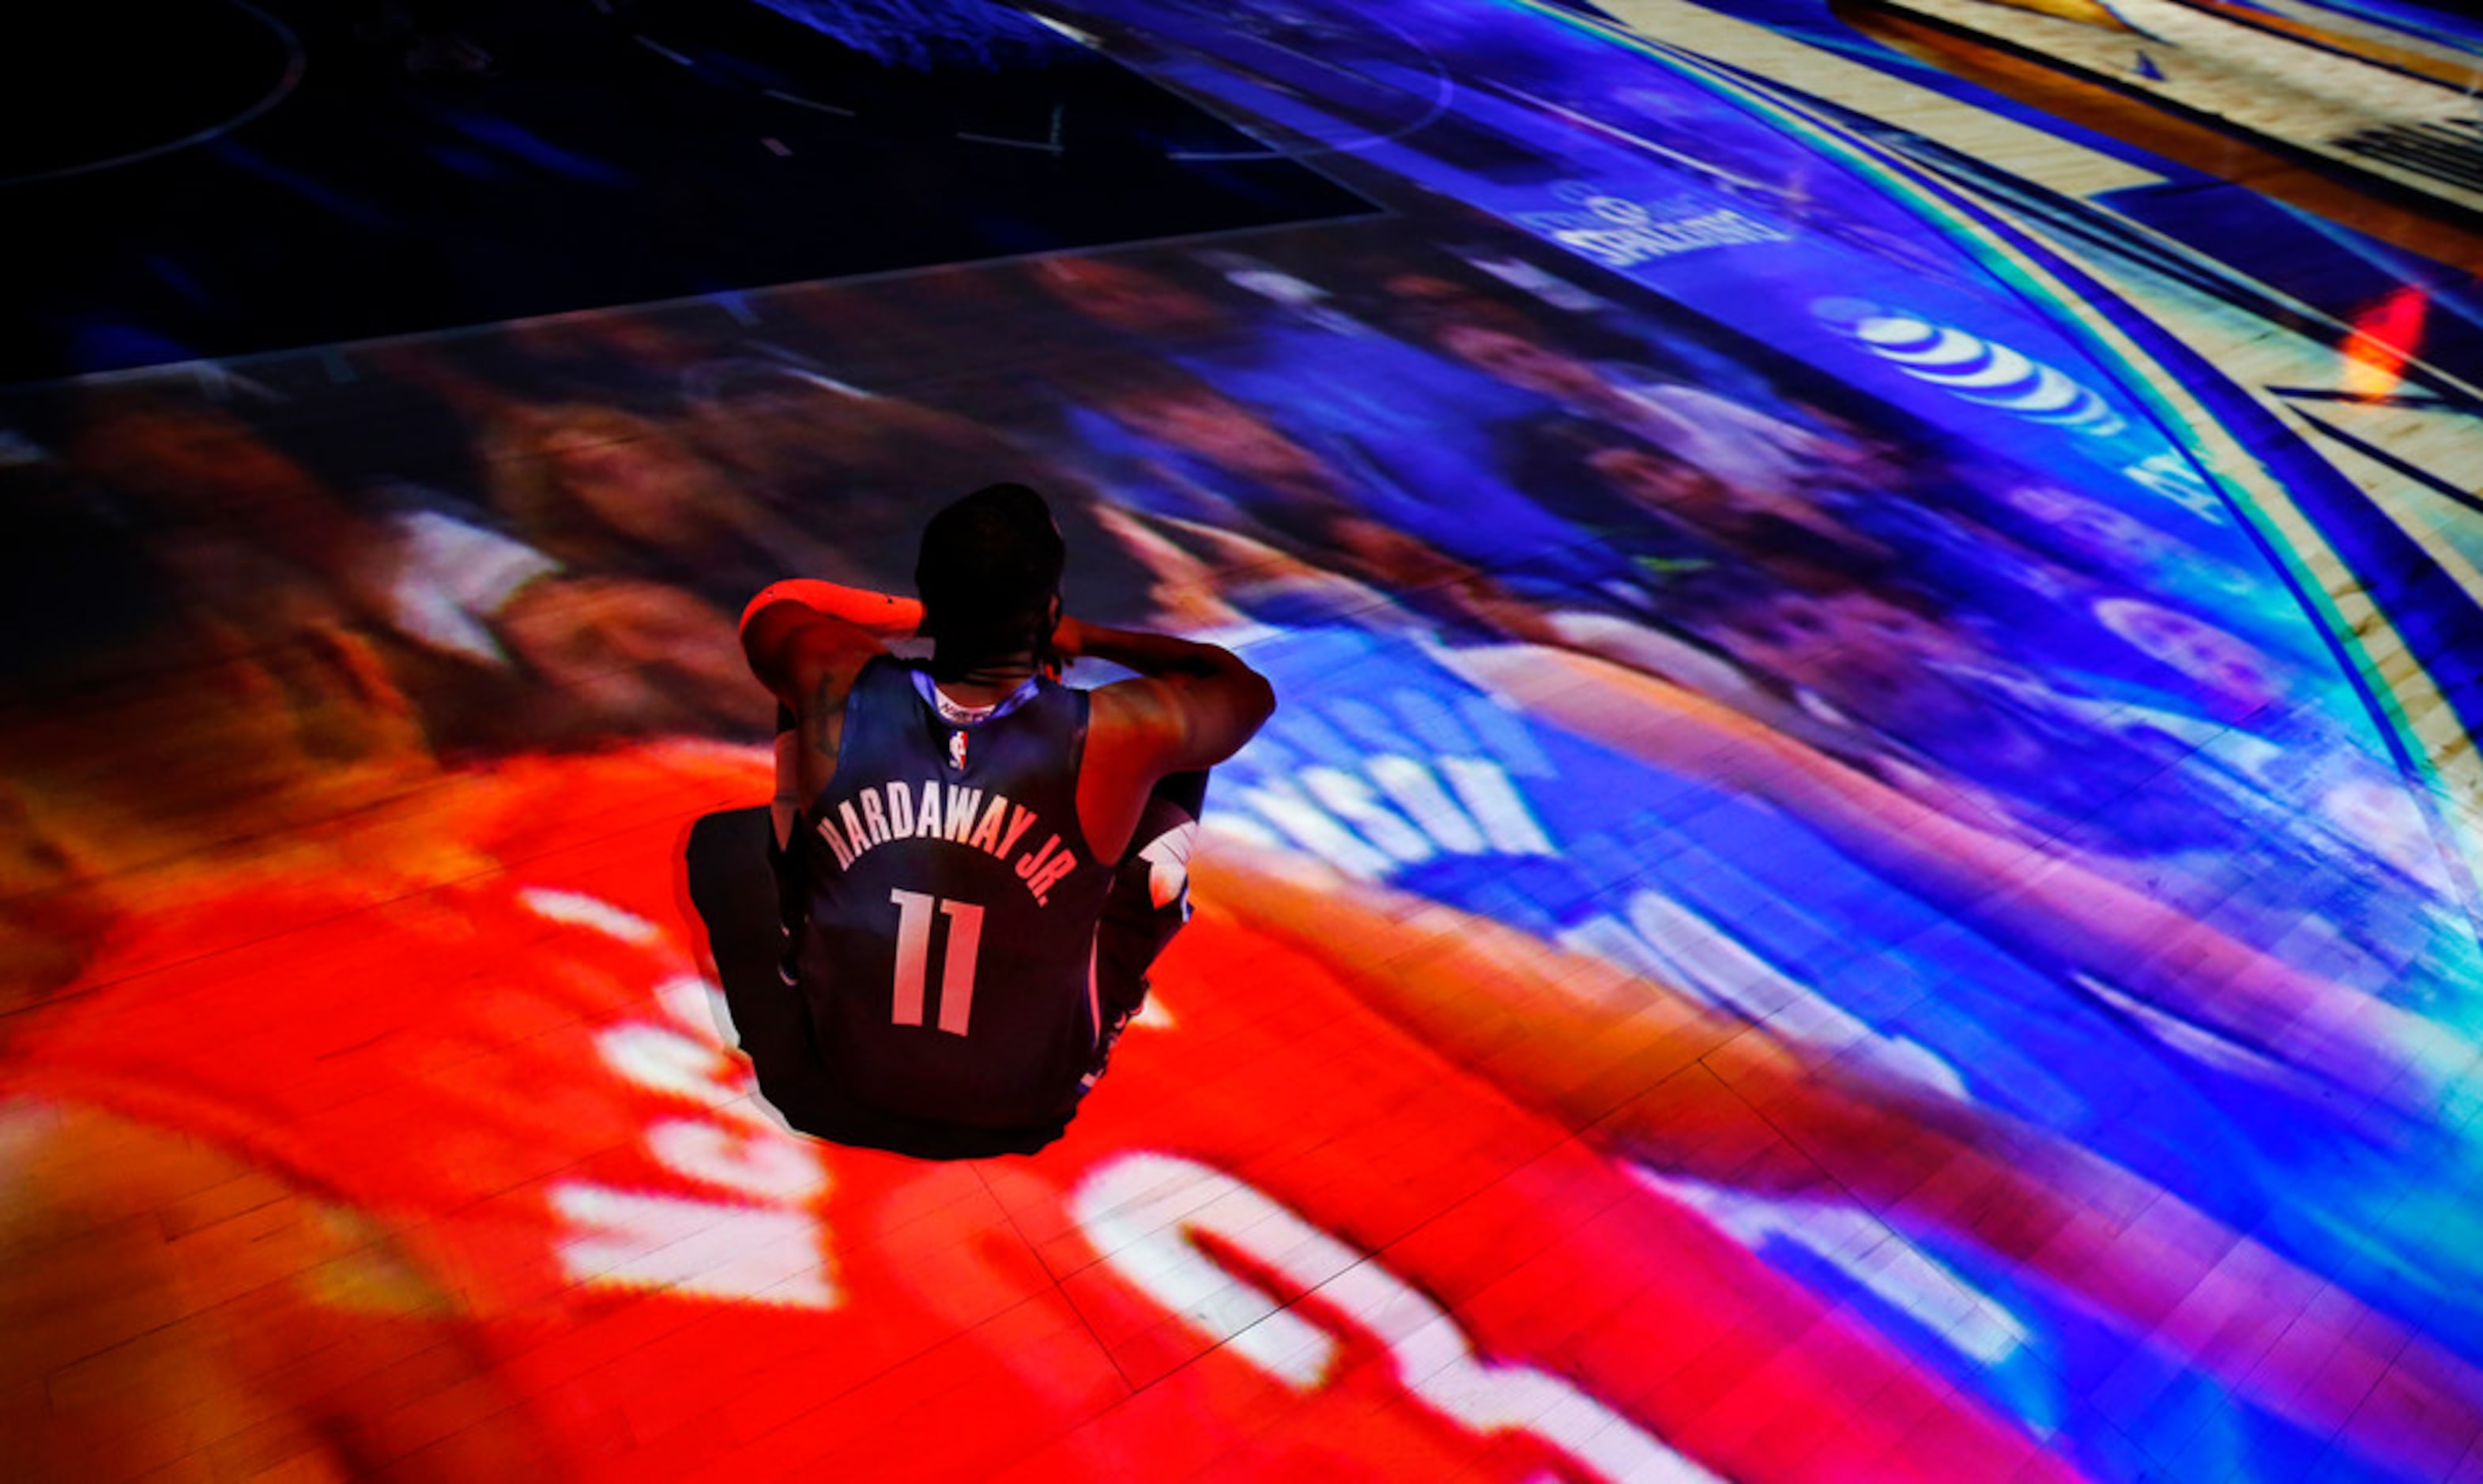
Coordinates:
949	947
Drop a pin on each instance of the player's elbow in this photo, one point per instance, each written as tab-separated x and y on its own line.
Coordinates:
1258	698
1219	718
755	657
1249	702
764	640
760	601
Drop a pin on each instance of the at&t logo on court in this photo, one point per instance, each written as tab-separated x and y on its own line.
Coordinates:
1971	368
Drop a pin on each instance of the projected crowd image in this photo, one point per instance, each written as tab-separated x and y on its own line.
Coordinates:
1800	916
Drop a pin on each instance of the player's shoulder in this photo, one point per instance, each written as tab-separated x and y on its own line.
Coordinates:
830	650
796	651
1135	705
1129	722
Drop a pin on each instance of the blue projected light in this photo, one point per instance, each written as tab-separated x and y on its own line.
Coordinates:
929	34
1865	866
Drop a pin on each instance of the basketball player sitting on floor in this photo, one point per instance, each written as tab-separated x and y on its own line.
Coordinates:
977	863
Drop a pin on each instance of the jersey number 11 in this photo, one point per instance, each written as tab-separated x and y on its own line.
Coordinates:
914	953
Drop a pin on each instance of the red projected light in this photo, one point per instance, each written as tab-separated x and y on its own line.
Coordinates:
2383	338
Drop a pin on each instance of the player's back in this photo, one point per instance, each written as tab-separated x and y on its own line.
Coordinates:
948	951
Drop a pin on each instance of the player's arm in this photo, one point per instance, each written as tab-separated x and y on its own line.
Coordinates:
799	628
1192	705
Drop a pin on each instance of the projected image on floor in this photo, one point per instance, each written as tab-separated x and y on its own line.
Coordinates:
1828	895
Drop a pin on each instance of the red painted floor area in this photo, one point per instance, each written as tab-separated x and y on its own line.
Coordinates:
1865	868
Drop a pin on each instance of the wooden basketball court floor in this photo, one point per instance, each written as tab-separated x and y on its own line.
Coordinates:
1868	867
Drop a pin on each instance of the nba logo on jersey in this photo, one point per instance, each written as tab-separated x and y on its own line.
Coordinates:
957	751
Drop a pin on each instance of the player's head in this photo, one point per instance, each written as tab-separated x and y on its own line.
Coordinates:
189	462
2089	528
589	483
1125	297
1203	422
989	575
1657	479
1854	647
2236	677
